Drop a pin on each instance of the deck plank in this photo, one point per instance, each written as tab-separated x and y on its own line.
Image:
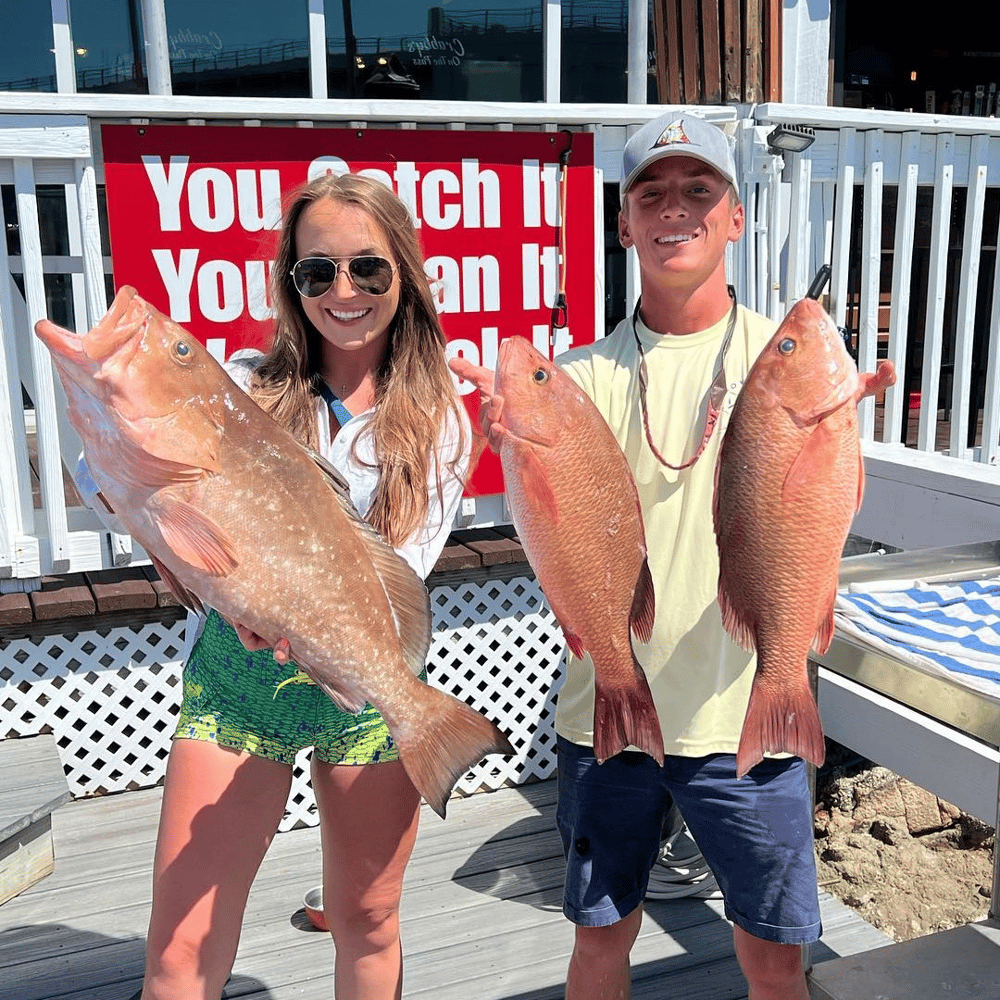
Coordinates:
481	913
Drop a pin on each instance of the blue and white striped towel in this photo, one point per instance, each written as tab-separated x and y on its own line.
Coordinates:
945	627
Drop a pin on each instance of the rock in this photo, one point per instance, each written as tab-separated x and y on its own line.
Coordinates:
975	833
920	807
835	853
877	798
889	831
908	862
949	814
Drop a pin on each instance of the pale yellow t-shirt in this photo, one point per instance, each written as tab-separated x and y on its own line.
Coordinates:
699	677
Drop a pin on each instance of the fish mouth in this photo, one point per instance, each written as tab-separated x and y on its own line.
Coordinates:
61	342
115	339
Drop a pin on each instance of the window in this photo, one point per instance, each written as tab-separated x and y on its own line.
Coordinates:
476	50
27	61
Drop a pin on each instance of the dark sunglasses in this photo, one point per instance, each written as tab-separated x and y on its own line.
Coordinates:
313	276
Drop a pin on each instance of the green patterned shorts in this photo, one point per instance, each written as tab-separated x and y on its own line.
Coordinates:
232	697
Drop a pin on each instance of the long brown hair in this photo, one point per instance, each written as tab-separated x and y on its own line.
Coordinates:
414	390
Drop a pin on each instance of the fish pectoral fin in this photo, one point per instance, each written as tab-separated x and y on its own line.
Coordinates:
193	536
810	463
177	588
535	482
643	610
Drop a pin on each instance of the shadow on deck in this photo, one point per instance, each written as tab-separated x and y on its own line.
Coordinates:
481	913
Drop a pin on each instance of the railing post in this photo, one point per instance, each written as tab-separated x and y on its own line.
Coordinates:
49	461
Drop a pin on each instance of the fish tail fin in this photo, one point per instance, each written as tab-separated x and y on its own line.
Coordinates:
624	715
452	738
780	721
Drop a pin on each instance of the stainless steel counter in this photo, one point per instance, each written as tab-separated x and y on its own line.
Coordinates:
942	697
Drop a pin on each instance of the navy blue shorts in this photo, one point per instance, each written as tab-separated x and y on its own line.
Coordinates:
756	833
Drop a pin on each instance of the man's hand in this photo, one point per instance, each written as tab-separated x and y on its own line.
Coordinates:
490	406
253	642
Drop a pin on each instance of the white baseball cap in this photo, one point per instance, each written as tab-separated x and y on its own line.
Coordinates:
677	135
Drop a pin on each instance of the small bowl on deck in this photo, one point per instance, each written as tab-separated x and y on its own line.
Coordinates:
313	903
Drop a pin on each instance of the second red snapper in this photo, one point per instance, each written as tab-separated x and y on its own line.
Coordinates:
238	515
789	481
576	511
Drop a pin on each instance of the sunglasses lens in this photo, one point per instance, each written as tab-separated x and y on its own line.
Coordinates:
313	276
371	274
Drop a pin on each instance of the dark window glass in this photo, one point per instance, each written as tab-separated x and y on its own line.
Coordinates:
53	231
108	44
594	51
242	48
473	50
26	59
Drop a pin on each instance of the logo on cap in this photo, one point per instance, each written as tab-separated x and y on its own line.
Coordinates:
672	134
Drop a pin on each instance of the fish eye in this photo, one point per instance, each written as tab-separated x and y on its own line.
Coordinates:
182	350
540	375
786	346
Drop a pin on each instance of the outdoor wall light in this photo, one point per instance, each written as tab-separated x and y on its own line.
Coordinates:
790	138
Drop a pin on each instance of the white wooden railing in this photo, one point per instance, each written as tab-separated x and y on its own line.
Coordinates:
799	211
933	488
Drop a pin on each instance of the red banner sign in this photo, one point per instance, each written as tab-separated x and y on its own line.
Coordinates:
194	214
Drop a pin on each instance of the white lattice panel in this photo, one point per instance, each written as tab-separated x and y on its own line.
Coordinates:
110	697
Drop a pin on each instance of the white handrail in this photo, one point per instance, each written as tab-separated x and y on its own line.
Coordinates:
800	213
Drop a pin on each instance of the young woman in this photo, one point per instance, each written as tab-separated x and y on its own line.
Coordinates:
357	372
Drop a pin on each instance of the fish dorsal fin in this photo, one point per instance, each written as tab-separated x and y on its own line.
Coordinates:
408	598
404	590
337	481
811	461
192	535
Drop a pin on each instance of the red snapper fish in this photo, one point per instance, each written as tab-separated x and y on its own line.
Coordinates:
237	515
575	507
789	481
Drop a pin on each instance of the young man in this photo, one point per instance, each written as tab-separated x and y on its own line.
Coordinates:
666	380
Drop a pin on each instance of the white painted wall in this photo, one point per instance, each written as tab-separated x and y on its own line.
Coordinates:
806	52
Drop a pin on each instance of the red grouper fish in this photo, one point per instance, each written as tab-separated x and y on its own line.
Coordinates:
237	515
789	481
576	511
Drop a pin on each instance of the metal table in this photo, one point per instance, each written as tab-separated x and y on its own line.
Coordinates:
942	735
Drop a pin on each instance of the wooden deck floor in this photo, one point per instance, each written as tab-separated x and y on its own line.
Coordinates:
482	914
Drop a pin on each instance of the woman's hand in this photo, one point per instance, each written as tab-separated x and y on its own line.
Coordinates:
253	642
490	406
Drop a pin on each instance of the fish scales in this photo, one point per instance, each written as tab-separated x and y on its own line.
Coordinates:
789	481
576	511
237	515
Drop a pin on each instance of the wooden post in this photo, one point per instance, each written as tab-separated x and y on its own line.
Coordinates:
717	51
